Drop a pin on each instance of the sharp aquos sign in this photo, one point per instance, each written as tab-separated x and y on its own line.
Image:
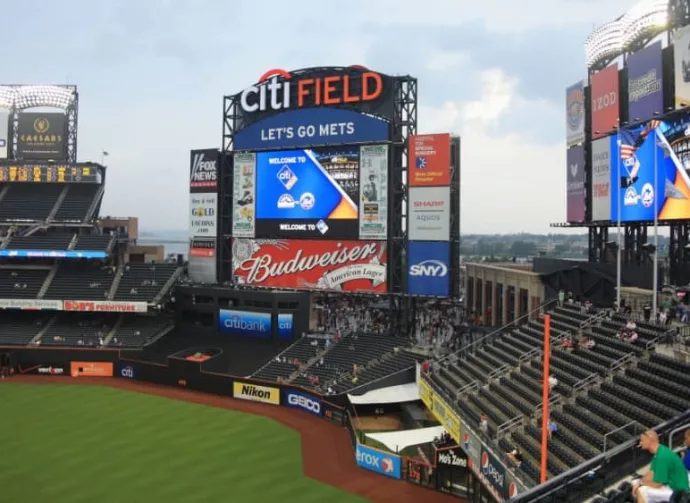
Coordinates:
311	264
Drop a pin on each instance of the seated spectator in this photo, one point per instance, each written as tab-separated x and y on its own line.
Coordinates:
686	458
666	474
630	337
552	427
567	344
515	456
553	382
484	424
631	325
586	342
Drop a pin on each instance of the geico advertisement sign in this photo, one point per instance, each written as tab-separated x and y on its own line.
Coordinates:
245	323
277	90
304	402
255	393
378	461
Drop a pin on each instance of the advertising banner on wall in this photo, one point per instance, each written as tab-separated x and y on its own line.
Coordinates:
244	195
255	393
4	130
41	136
377	461
428	268
304	401
351	266
429	214
605	101
308	193
645	85
576	183
245	323
681	59
649	176
314	127
203	215
201	265
286	325
429	160
373	192
203	170
575	114
601	179
493	472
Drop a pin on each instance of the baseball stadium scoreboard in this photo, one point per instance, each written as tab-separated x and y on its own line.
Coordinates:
49	173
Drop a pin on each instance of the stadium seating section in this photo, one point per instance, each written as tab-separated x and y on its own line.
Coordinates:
613	385
376	356
79	329
33	202
89	281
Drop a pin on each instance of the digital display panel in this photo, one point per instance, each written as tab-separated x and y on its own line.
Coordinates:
308	193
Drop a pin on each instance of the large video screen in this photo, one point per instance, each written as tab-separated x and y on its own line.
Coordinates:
652	172
308	193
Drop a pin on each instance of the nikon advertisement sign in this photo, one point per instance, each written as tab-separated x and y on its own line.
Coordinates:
254	393
42	136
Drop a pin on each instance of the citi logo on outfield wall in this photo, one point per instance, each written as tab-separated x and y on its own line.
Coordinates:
274	90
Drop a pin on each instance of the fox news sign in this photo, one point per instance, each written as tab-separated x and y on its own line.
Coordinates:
203	170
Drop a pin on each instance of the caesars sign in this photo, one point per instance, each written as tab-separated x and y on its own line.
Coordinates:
42	136
278	90
349	266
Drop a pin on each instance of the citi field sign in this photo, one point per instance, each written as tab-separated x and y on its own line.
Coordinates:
278	90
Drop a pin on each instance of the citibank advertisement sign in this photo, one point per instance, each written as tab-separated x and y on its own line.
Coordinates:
428	268
245	323
378	461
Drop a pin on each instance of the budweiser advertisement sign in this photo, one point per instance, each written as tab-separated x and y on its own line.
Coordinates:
104	306
348	266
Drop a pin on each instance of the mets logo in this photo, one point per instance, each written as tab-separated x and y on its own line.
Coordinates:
575	105
387	465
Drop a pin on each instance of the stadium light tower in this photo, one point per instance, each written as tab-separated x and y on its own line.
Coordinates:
646	19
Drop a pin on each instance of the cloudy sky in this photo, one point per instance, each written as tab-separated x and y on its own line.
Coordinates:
151	76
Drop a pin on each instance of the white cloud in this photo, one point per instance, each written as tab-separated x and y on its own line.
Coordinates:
509	183
446	60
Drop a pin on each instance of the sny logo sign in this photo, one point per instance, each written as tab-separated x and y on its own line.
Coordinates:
431	268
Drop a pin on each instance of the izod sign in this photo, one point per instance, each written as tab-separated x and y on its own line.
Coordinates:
278	90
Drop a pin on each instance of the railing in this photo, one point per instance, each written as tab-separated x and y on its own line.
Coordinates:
499	371
555	400
467	388
510	423
581	384
479	342
621	428
621	361
677	430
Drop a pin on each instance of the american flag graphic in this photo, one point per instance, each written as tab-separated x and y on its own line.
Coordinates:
420	162
628	143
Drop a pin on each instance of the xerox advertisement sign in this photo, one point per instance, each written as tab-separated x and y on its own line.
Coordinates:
203	170
314	127
245	323
378	461
352	88
303	401
429	214
308	193
343	266
428	269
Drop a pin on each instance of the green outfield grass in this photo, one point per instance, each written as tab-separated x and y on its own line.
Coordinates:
73	444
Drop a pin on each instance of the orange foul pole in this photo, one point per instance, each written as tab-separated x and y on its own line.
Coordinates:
545	398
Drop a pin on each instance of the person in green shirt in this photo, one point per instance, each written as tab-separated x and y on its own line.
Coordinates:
666	475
